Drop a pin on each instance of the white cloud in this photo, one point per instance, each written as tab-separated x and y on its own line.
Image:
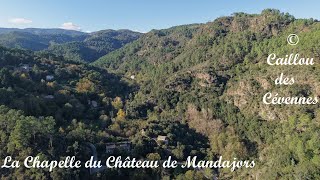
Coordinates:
70	26
140	31
20	21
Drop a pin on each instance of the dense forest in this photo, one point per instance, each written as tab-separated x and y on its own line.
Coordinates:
72	45
191	90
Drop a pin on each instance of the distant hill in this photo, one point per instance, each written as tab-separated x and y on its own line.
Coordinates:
39	31
95	45
35	42
73	45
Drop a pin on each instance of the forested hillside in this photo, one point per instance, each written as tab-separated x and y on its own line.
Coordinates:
59	106
213	77
53	108
191	90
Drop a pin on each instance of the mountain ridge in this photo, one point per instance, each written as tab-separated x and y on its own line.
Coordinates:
42	31
73	45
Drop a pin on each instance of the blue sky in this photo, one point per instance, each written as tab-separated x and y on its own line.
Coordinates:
138	15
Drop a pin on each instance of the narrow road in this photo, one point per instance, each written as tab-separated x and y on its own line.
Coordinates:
95	158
